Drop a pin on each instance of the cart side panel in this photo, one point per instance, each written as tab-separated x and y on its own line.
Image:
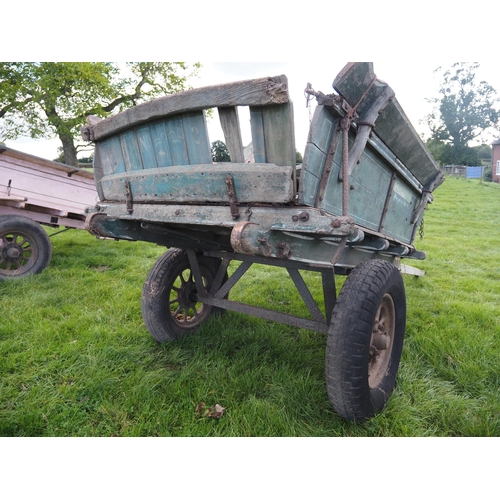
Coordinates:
380	198
257	183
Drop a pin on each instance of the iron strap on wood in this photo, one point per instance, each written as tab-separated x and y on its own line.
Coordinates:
231	192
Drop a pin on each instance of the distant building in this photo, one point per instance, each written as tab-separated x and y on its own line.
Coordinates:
495	161
454	170
248	154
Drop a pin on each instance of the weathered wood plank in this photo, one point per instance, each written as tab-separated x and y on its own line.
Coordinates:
73	220
177	141
196	136
272	134
130	151
273	217
254	183
111	159
279	134
146	148
161	146
262	91
403	202
414	271
228	117
36	161
321	133
258	135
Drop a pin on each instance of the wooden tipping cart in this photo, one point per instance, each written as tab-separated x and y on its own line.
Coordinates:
35	191
364	184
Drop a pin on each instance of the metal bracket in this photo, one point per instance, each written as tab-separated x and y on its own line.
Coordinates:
231	192
128	197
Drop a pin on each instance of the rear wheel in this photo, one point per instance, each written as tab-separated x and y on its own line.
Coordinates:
25	247
170	306
365	340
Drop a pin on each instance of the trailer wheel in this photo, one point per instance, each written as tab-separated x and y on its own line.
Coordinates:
169	302
365	340
25	247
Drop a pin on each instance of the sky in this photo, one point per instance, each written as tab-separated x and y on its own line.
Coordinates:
412	80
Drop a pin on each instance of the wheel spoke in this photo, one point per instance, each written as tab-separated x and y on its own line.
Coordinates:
196	311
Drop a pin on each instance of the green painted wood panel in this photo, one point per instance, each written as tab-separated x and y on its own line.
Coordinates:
130	151
176	140
196	137
369	185
110	152
146	147
314	161
161	147
401	205
321	132
179	140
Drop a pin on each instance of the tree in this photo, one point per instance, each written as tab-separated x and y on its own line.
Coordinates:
465	110
448	154
298	157
51	99
220	152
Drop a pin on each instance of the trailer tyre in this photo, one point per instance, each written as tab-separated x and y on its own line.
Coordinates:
365	340
169	303
25	247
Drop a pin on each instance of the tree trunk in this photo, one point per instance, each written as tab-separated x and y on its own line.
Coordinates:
69	150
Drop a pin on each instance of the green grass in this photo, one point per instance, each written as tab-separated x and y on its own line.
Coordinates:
77	360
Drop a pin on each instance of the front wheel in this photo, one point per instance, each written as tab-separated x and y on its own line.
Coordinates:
169	302
365	340
25	247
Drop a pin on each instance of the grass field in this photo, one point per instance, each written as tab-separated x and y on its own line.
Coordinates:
77	360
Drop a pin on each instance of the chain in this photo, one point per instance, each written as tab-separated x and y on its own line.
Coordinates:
421	229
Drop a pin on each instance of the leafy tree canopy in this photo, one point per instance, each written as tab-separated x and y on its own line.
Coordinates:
465	110
49	99
220	152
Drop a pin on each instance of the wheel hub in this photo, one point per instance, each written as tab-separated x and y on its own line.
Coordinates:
381	341
188	295
12	253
